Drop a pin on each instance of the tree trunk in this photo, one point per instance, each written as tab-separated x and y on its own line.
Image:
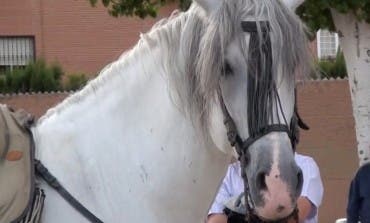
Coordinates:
355	42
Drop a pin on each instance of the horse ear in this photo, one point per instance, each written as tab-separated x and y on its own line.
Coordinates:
293	4
209	5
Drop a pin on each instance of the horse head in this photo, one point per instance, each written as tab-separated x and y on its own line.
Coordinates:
254	49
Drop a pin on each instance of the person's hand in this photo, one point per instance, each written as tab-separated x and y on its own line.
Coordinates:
217	218
304	208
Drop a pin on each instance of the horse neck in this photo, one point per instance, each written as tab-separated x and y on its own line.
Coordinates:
118	133
133	73
129	94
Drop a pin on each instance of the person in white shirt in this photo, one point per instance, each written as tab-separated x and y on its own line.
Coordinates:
308	202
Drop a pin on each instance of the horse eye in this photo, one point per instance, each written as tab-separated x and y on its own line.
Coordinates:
226	69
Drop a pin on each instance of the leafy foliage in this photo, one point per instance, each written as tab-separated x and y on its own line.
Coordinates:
75	81
14	80
140	8
332	68
36	76
39	77
316	13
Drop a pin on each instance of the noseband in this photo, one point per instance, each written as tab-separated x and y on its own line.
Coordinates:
260	66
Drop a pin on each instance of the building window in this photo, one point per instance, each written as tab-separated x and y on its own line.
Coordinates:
16	51
327	44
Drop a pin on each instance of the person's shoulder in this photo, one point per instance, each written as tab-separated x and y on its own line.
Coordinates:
306	162
364	170
234	166
365	167
299	158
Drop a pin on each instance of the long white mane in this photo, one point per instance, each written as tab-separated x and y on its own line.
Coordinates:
194	59
110	141
162	35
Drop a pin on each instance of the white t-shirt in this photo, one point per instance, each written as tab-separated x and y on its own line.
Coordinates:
233	185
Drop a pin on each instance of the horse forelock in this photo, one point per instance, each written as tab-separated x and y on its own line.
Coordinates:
290	52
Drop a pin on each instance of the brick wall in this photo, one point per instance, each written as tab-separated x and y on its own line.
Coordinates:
16	18
80	37
34	103
324	105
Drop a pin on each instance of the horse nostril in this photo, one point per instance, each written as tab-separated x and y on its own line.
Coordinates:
261	181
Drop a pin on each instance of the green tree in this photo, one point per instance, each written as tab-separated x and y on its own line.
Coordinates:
75	81
317	13
350	19
333	68
36	76
140	8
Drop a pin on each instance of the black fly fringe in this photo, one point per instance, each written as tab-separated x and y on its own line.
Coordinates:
262	94
261	83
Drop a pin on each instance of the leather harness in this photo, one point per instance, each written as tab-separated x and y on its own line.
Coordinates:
291	129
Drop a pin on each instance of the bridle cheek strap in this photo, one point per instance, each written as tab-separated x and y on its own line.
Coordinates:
234	137
232	132
241	148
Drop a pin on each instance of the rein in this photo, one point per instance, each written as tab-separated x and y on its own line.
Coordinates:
44	173
260	66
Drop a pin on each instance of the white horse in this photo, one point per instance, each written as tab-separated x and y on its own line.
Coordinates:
145	141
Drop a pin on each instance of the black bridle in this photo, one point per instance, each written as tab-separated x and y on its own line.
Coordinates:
260	65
